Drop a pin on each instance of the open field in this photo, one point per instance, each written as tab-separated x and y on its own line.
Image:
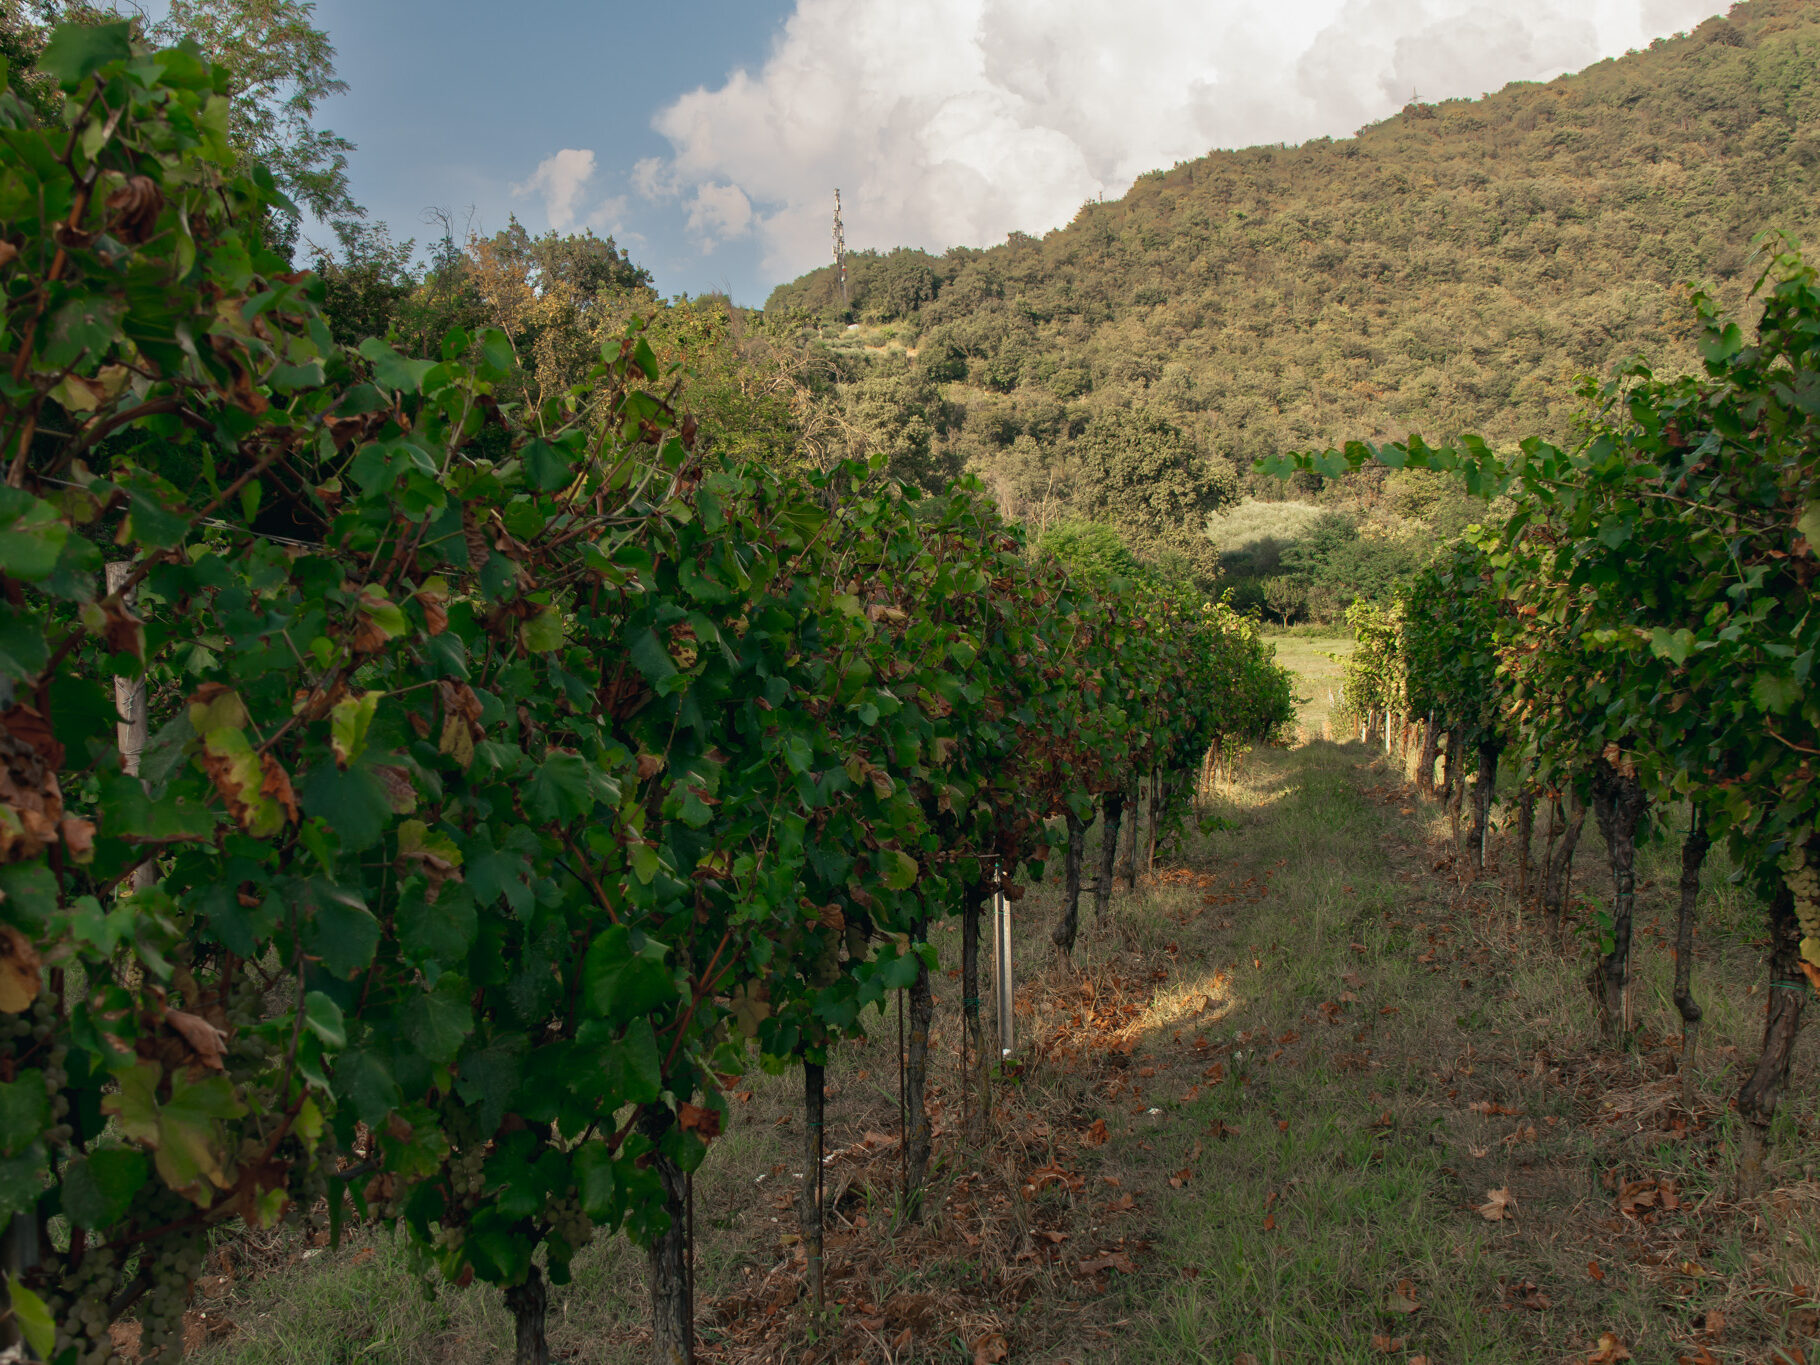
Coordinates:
1317	673
1267	1115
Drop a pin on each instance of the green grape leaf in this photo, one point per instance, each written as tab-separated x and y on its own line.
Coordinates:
74	53
349	721
438	1021
98	1188
341	933
25	1111
543	632
595	1183
322	1016
1809	526
650	657
621	985
36	1324
899	869
32	536
393	371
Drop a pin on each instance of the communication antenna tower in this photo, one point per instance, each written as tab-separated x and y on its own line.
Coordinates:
840	250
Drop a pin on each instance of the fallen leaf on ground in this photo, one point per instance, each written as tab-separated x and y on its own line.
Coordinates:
1403	1298
1387	1345
989	1348
1701	1356
1115	1260
1594	1270
1636	1196
1527	1294
1499	1203
1609	1351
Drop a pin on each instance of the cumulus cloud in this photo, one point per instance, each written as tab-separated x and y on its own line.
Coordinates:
654	178
957	121
719	213
561	181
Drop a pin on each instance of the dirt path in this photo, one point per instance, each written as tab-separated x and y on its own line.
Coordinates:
1300	1100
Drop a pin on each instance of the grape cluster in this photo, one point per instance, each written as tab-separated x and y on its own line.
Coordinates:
173	1263
467	1175
80	1308
1803	882
450	1236
36	1042
567	1219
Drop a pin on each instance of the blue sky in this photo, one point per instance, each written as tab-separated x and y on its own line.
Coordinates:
453	102
708	136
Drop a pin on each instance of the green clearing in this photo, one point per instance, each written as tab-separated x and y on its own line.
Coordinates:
1313	1061
1317	673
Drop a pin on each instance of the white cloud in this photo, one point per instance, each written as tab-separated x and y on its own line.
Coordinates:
561	181
719	213
654	178
957	121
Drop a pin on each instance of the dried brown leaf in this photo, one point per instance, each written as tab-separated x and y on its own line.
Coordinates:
1499	1204
20	981
208	1042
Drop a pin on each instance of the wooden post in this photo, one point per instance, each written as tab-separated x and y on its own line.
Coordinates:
809	1201
132	727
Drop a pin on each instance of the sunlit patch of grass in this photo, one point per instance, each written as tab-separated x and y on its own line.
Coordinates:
1317	673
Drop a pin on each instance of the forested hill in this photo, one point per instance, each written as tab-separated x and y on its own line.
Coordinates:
1450	268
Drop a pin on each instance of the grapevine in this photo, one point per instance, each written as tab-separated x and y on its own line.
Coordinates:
543	772
1655	635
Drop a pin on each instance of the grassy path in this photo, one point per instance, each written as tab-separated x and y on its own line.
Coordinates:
1265	1116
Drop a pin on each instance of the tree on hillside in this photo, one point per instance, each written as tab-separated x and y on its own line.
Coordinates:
1451	268
1142	472
900	417
1334	566
1093	551
898	284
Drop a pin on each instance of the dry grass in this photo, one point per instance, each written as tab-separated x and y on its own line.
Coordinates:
1258	1116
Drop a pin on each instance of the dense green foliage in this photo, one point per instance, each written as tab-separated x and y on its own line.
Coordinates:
1641	620
1452	268
519	768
